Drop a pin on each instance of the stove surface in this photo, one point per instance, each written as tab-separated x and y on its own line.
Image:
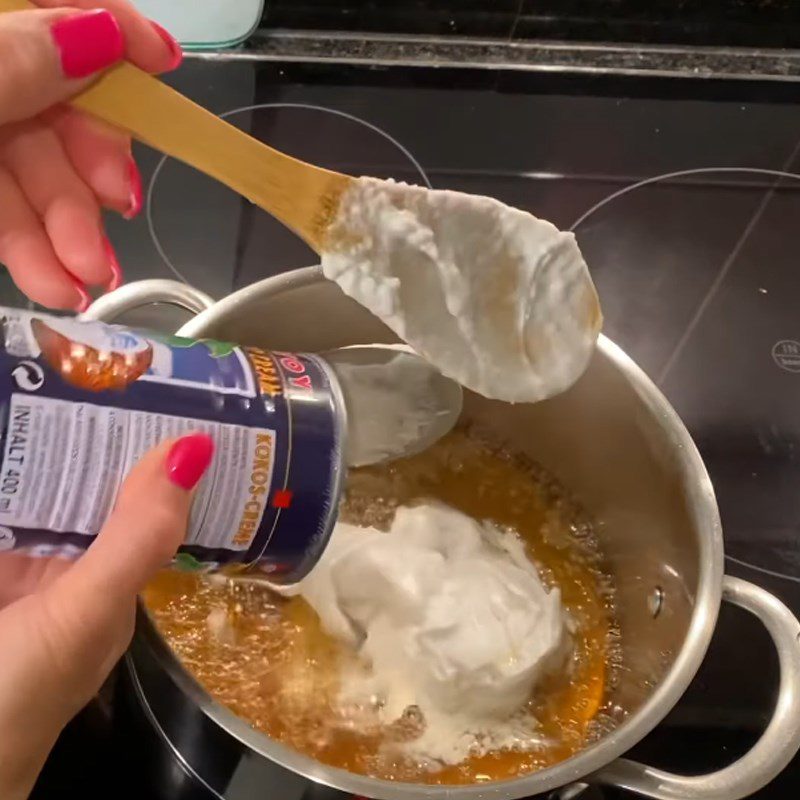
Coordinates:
686	210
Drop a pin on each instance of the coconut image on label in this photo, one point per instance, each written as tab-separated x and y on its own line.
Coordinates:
89	356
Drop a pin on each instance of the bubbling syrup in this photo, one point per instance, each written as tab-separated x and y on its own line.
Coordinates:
269	661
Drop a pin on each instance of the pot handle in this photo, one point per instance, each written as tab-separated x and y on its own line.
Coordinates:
142	293
771	753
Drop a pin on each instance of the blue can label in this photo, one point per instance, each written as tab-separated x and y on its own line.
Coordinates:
82	401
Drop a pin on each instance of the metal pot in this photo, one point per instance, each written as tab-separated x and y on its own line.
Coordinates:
614	440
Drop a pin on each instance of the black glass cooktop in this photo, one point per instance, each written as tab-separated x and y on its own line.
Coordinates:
687	210
731	23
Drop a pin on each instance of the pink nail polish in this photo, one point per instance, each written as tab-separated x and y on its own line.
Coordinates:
175	51
136	195
88	42
188	459
113	262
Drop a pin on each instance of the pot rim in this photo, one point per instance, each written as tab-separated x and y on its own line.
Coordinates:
623	738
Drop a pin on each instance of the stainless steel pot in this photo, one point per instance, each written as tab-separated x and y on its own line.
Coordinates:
618	445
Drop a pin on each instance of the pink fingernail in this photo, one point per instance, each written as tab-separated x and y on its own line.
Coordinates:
113	262
188	459
136	196
88	42
175	51
86	298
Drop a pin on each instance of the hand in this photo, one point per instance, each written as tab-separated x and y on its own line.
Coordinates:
59	167
64	625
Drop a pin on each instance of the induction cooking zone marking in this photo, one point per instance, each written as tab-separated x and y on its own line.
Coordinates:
783	352
764	570
718	281
258	107
682	173
786	354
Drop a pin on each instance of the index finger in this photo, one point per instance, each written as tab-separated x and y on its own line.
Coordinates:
148	45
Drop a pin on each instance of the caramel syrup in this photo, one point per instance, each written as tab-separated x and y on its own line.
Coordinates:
269	661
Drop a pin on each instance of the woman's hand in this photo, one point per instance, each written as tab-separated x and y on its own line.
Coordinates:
64	625
59	167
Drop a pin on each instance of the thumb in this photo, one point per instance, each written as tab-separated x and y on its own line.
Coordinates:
60	643
46	56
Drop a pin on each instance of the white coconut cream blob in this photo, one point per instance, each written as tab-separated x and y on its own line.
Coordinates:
448	615
496	299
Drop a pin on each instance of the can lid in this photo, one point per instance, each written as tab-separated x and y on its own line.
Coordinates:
397	403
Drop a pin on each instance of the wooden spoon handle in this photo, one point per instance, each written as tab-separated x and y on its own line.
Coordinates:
302	196
159	116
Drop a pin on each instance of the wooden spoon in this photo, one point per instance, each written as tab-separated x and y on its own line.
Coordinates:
303	197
